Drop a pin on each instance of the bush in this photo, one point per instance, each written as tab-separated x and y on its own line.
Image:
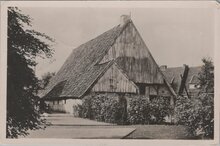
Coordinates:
160	108
104	107
112	108
197	114
138	111
85	110
143	111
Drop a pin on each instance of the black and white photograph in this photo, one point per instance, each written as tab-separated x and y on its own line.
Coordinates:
112	72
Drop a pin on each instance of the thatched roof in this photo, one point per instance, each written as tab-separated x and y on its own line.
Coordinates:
81	68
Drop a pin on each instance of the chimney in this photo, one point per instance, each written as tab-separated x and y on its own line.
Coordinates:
163	67
124	19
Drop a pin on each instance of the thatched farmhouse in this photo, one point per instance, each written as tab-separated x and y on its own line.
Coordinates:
117	61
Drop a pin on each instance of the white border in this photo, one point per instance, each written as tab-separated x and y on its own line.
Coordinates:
113	4
106	4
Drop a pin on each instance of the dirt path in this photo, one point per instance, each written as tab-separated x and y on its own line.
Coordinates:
70	120
67	126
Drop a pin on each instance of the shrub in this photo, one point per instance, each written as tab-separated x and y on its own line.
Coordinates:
103	107
197	114
160	108
138	111
85	110
143	111
112	108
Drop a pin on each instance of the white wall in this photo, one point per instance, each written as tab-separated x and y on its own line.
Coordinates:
64	105
70	103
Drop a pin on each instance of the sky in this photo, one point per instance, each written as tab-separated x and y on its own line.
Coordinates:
174	36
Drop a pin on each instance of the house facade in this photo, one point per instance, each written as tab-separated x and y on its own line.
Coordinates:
117	61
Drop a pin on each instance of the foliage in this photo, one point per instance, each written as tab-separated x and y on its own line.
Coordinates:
138	111
23	47
103	107
46	78
143	111
85	110
160	108
113	109
206	76
198	113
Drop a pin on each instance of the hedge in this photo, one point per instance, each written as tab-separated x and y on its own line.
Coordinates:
113	108
139	111
143	111
103	107
197	114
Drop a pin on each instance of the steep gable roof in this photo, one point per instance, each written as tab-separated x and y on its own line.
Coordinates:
82	68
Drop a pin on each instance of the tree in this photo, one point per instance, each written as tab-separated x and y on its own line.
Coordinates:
206	97
46	78
24	45
206	76
198	113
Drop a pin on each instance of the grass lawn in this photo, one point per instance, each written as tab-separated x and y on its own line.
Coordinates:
159	132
